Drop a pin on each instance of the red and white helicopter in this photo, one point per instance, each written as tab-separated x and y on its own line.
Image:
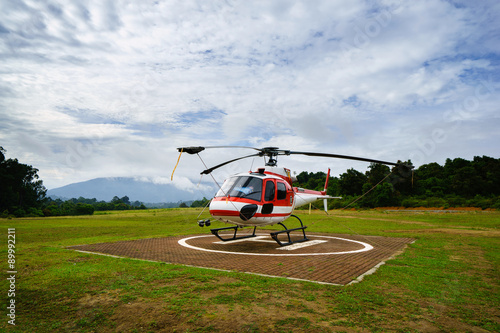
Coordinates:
265	196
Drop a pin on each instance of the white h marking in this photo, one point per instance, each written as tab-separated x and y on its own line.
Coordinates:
265	239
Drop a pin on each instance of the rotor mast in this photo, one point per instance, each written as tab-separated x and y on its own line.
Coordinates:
272	154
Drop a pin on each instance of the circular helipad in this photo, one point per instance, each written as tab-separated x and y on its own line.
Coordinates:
264	245
325	258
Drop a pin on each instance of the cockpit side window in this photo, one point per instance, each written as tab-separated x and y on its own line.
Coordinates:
270	191
281	191
242	187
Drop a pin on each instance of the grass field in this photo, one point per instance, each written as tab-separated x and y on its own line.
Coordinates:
448	280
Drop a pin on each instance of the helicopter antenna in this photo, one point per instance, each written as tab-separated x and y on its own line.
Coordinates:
251	165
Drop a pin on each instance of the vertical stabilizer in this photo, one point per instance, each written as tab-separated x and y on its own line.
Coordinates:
327	178
325	204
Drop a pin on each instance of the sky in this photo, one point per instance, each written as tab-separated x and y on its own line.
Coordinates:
94	89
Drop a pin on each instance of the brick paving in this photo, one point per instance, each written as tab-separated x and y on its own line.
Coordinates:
324	262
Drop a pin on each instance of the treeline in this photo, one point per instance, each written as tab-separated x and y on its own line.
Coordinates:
83	206
200	203
22	194
457	183
80	206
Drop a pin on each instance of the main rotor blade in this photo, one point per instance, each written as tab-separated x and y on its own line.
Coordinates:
344	157
196	150
206	172
245	147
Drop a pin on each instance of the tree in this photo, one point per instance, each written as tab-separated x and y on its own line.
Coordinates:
311	180
377	172
84	209
316	181
466	182
488	169
351	182
125	200
402	179
20	188
200	203
333	187
384	195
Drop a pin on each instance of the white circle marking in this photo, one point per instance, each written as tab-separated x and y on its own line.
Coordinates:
366	247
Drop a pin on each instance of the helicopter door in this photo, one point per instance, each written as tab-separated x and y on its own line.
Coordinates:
269	194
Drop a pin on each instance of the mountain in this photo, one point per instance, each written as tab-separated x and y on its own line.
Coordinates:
104	189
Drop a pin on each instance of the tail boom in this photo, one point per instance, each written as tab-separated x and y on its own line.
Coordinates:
305	196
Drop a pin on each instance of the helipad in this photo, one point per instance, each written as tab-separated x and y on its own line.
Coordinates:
325	258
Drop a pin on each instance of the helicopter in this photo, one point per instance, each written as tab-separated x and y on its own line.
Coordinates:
265	196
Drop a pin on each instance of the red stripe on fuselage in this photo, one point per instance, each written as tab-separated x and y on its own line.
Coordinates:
236	213
224	212
236	199
276	203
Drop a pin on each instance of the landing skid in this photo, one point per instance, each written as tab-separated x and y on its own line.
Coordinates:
235	228
274	235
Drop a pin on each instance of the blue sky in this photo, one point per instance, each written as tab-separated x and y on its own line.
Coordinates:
110	88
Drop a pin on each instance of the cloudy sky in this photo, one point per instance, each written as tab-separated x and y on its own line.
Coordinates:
110	88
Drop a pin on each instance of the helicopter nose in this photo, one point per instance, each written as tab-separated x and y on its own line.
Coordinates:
247	211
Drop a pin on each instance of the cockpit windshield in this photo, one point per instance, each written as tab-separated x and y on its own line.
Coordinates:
242	187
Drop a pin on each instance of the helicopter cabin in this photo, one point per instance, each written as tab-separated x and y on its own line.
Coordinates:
255	198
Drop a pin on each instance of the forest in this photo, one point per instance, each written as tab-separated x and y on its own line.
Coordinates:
22	194
457	183
84	206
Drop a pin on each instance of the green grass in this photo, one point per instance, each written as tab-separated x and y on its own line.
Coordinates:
447	280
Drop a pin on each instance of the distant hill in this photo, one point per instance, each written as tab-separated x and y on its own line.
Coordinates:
104	189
